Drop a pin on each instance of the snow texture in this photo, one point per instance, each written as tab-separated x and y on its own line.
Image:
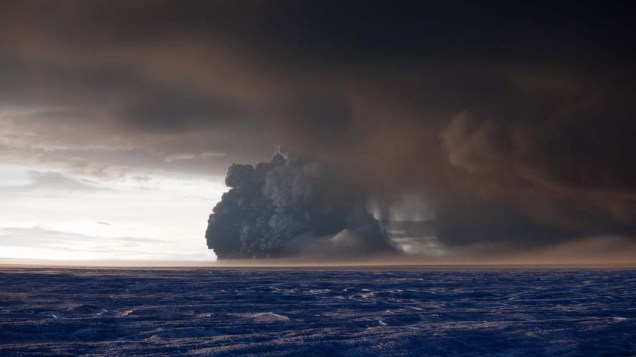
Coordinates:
347	312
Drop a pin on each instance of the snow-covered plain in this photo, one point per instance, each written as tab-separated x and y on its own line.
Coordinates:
347	312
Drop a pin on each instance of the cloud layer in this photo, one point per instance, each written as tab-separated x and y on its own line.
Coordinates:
512	122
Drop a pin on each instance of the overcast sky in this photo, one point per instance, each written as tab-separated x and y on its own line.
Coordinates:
513	121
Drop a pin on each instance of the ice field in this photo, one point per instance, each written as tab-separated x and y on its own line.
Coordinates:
328	312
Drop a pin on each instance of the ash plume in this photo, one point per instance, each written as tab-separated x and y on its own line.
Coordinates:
510	124
287	207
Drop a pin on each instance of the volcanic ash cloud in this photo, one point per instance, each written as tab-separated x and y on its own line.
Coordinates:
288	207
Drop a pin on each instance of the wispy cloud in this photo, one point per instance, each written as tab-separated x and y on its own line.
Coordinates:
193	156
49	181
42	243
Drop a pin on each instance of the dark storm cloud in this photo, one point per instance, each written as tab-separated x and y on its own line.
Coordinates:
168	112
513	120
289	207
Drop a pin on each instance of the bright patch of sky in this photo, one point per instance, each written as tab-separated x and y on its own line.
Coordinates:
47	214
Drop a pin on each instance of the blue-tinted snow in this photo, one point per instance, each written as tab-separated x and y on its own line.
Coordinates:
324	312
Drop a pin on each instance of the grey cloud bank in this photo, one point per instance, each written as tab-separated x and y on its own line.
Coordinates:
289	207
513	122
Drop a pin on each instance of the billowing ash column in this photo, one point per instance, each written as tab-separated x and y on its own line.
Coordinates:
288	207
